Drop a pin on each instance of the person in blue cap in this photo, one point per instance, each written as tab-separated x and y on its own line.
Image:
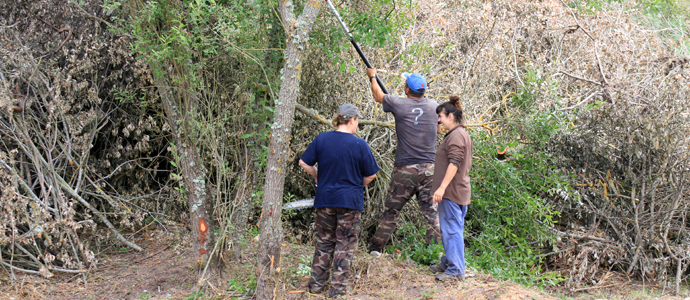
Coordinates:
416	125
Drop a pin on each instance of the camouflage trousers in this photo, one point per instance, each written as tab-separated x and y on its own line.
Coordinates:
407	181
337	230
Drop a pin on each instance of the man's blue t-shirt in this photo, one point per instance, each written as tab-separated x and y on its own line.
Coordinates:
344	160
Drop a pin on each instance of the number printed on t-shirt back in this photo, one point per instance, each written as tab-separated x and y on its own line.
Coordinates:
421	112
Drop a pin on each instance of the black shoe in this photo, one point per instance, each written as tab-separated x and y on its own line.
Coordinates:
435	269
337	293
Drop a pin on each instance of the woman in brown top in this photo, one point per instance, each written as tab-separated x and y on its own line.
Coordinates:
451	188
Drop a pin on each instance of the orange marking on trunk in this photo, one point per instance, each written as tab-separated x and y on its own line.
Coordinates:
202	226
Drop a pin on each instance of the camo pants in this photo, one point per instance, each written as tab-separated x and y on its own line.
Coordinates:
336	242
406	181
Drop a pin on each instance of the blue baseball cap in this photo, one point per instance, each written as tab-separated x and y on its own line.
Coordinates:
415	82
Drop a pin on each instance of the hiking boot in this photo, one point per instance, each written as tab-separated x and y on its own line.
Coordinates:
337	293
445	277
435	269
314	291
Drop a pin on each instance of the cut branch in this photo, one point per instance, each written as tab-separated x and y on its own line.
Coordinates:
314	115
580	78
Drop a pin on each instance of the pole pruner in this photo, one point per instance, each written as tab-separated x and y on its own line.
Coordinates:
352	41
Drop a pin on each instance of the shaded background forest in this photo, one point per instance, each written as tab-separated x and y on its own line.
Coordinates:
589	100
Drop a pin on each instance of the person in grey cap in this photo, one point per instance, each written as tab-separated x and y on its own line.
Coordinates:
345	166
416	125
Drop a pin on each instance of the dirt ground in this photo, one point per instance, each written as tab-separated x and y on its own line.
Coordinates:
165	270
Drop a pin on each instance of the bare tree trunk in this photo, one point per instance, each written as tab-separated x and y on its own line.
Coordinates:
191	167
271	227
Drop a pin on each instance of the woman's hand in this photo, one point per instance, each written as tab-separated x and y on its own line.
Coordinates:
438	195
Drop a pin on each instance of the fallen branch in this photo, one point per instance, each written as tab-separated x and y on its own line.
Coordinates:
582	237
583	100
314	115
598	287
67	188
25	186
19	269
580	78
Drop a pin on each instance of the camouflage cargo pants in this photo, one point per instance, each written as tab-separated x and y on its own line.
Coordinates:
407	181
336	242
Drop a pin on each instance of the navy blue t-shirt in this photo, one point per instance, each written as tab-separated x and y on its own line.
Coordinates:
344	160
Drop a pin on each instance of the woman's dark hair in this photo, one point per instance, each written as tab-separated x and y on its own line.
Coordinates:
338	119
454	107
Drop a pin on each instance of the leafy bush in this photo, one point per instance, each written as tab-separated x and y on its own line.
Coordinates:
508	218
413	245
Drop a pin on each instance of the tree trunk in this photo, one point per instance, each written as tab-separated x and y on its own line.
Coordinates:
191	168
271	227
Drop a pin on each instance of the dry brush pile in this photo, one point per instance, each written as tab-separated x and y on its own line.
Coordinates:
619	86
73	152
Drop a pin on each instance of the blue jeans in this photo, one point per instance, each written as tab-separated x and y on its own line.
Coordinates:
452	218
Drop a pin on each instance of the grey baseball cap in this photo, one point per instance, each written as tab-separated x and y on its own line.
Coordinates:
349	111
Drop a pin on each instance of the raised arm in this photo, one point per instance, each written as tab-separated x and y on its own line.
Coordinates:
375	88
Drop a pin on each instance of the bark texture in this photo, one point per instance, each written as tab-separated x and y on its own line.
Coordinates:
191	167
298	30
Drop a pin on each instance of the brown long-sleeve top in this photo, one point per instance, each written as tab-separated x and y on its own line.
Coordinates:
456	148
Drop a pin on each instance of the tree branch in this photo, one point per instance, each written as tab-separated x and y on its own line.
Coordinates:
580	78
314	115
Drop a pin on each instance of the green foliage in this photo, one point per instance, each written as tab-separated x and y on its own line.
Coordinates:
509	217
236	286
525	98
144	296
288	213
668	17
222	71
373	23
304	267
260	112
414	247
195	295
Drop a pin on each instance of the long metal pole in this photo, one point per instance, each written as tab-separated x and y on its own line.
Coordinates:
352	41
